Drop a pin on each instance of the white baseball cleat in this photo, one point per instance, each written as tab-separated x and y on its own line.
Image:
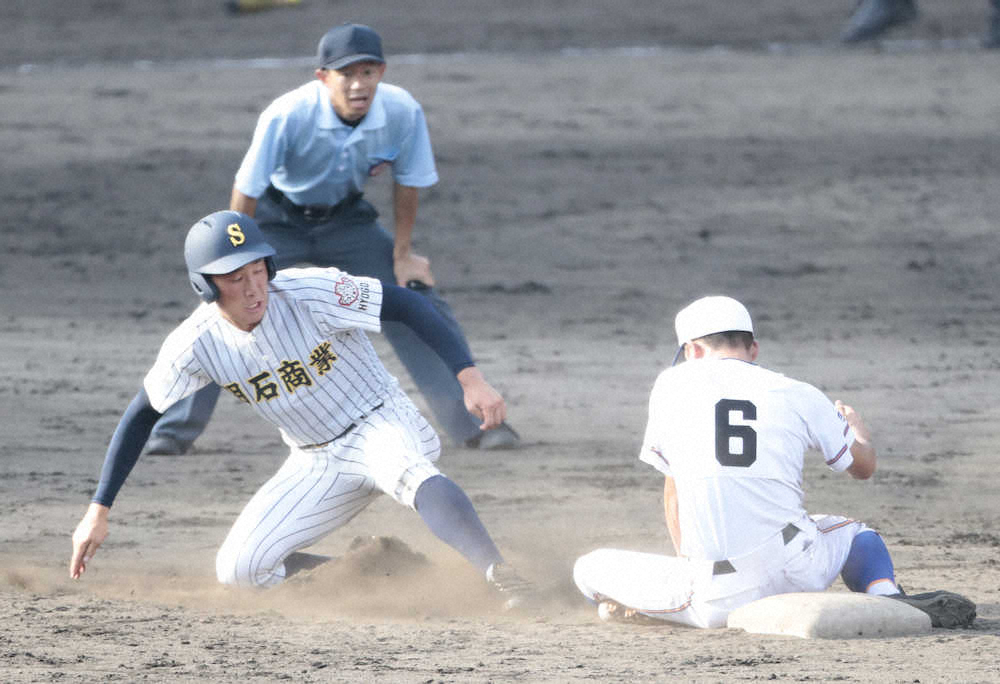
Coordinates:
606	610
516	591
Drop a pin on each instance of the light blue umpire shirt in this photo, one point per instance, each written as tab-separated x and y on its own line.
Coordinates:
302	147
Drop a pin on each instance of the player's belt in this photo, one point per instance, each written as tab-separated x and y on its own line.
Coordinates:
346	430
724	567
311	212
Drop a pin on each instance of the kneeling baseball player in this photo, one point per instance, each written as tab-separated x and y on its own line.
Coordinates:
292	345
730	436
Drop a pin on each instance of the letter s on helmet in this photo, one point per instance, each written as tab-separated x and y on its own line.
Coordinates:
220	243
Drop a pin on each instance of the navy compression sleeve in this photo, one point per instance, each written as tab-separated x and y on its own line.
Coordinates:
418	314
125	446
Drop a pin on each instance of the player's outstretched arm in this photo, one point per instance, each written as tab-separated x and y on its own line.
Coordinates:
416	312
862	450
90	533
481	399
123	452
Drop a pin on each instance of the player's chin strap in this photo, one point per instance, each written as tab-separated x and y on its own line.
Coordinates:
677	356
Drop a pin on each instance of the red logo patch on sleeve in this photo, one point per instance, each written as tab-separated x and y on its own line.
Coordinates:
346	291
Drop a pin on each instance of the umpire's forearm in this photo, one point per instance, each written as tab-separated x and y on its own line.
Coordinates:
405	201
242	203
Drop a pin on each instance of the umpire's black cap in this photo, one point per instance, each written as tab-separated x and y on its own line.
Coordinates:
349	43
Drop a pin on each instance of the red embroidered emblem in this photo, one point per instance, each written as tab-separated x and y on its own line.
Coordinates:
346	291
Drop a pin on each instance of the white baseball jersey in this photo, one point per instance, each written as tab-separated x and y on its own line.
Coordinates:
307	367
733	436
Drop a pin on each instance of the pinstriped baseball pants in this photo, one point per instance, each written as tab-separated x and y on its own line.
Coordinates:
318	489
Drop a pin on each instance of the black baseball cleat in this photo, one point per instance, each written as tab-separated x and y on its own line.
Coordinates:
946	609
872	18
165	446
500	437
517	592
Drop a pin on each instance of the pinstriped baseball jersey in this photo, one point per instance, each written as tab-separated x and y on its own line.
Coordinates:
733	436
308	367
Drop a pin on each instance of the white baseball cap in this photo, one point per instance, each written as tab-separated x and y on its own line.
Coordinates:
710	315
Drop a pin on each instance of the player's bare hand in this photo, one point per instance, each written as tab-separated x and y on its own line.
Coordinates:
412	267
481	400
853	418
90	533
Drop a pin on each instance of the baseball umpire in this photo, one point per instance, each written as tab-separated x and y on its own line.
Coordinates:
729	436
302	178
291	344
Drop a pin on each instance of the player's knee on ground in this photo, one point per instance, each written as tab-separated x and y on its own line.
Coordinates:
584	570
239	567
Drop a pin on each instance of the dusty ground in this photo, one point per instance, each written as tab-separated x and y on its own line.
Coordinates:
848	196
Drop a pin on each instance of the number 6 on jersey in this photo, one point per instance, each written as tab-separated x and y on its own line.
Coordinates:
729	436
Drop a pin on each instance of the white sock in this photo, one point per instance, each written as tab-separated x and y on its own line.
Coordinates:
882	587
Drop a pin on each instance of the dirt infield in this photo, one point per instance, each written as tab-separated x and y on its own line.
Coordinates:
51	31
848	196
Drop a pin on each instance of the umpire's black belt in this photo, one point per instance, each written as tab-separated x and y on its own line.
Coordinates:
350	427
724	567
316	213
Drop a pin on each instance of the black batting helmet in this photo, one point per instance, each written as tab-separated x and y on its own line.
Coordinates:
220	243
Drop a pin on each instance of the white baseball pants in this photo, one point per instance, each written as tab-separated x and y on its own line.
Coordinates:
689	591
319	489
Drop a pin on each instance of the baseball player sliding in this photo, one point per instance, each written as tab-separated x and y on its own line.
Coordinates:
292	345
729	438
